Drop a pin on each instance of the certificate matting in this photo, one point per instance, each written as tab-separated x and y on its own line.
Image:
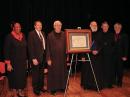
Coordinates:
78	40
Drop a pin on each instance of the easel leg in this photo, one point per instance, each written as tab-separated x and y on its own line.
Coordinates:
93	73
66	88
76	65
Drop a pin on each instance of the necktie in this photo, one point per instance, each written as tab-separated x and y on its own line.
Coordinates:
116	37
40	36
42	40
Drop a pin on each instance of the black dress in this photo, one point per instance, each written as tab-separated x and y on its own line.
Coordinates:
56	51
15	51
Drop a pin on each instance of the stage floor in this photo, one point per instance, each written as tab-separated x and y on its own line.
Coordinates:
75	89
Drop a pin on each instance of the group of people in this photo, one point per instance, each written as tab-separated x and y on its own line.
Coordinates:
108	51
40	51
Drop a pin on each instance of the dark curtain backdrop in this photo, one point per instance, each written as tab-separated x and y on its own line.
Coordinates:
72	13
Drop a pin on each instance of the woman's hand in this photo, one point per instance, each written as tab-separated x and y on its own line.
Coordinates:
9	67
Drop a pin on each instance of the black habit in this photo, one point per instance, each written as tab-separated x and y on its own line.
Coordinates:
56	52
87	78
107	54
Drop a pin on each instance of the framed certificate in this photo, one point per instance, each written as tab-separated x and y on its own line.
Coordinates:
78	40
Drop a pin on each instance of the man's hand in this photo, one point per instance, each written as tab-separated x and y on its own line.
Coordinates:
35	61
49	62
124	58
95	52
67	58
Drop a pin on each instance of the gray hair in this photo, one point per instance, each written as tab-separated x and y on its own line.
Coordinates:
57	22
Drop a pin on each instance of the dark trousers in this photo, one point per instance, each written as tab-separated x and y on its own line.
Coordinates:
37	77
118	70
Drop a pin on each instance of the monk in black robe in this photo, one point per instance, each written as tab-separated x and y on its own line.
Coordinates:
56	59
87	77
15	57
121	52
107	52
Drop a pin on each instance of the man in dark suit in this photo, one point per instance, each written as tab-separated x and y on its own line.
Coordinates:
121	52
36	47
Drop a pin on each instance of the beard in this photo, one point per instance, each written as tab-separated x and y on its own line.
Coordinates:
94	29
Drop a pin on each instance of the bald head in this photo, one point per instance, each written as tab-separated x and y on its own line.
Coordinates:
93	26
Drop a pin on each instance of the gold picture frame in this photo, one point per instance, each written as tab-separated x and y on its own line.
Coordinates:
78	40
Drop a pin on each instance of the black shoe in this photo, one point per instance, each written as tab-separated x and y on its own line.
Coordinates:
87	87
62	90
110	86
43	90
53	92
20	95
37	92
